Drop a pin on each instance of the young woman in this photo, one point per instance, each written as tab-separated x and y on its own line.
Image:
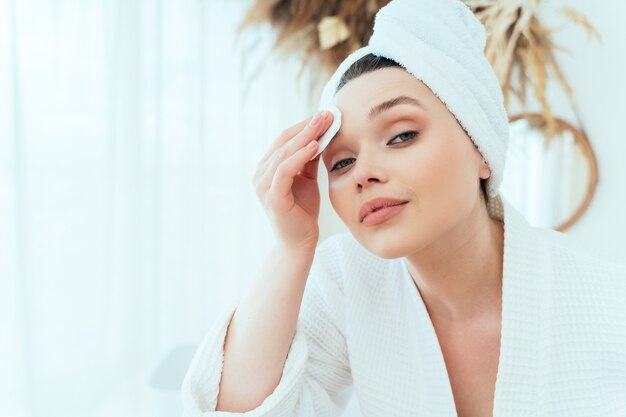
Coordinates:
441	300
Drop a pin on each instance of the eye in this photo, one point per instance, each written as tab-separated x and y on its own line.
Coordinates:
408	137
405	137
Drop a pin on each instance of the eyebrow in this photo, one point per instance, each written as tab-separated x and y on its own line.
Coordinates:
386	105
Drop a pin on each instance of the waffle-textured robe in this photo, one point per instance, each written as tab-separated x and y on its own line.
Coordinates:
363	328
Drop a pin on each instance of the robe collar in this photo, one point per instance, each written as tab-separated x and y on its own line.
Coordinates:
524	299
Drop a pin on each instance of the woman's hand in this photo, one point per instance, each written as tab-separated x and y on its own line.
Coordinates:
286	183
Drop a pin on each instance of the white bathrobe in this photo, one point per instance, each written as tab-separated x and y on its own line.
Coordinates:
364	328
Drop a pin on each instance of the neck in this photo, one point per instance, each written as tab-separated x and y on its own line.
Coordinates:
460	276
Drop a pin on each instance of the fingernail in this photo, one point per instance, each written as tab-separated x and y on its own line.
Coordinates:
317	119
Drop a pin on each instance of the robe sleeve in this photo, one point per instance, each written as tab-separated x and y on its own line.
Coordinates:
316	378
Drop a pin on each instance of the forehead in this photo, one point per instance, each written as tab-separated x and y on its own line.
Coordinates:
369	88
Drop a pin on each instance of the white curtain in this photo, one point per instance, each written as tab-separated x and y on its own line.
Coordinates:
128	140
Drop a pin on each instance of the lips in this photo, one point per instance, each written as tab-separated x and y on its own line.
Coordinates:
375	204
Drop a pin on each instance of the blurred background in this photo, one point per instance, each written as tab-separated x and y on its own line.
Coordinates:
129	134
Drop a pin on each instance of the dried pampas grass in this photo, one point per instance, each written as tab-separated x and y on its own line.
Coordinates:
324	31
516	39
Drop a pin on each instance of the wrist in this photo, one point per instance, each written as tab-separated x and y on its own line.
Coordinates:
304	251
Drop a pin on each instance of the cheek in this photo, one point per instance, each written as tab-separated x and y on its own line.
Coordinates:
421	166
335	194
439	175
456	177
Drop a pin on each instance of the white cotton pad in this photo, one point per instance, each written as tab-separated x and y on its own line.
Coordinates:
331	131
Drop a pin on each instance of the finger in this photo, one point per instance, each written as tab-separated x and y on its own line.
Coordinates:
306	135
309	133
310	169
260	174
288	169
266	169
298	139
285	136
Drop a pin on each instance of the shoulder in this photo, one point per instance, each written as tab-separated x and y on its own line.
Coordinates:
569	251
328	266
342	249
343	240
578	270
341	255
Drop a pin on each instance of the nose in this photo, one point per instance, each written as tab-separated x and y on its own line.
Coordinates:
366	171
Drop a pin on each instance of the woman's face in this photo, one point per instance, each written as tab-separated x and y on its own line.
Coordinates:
415	153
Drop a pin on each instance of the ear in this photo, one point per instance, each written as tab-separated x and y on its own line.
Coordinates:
485	171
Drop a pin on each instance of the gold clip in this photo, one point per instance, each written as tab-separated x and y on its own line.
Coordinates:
332	30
